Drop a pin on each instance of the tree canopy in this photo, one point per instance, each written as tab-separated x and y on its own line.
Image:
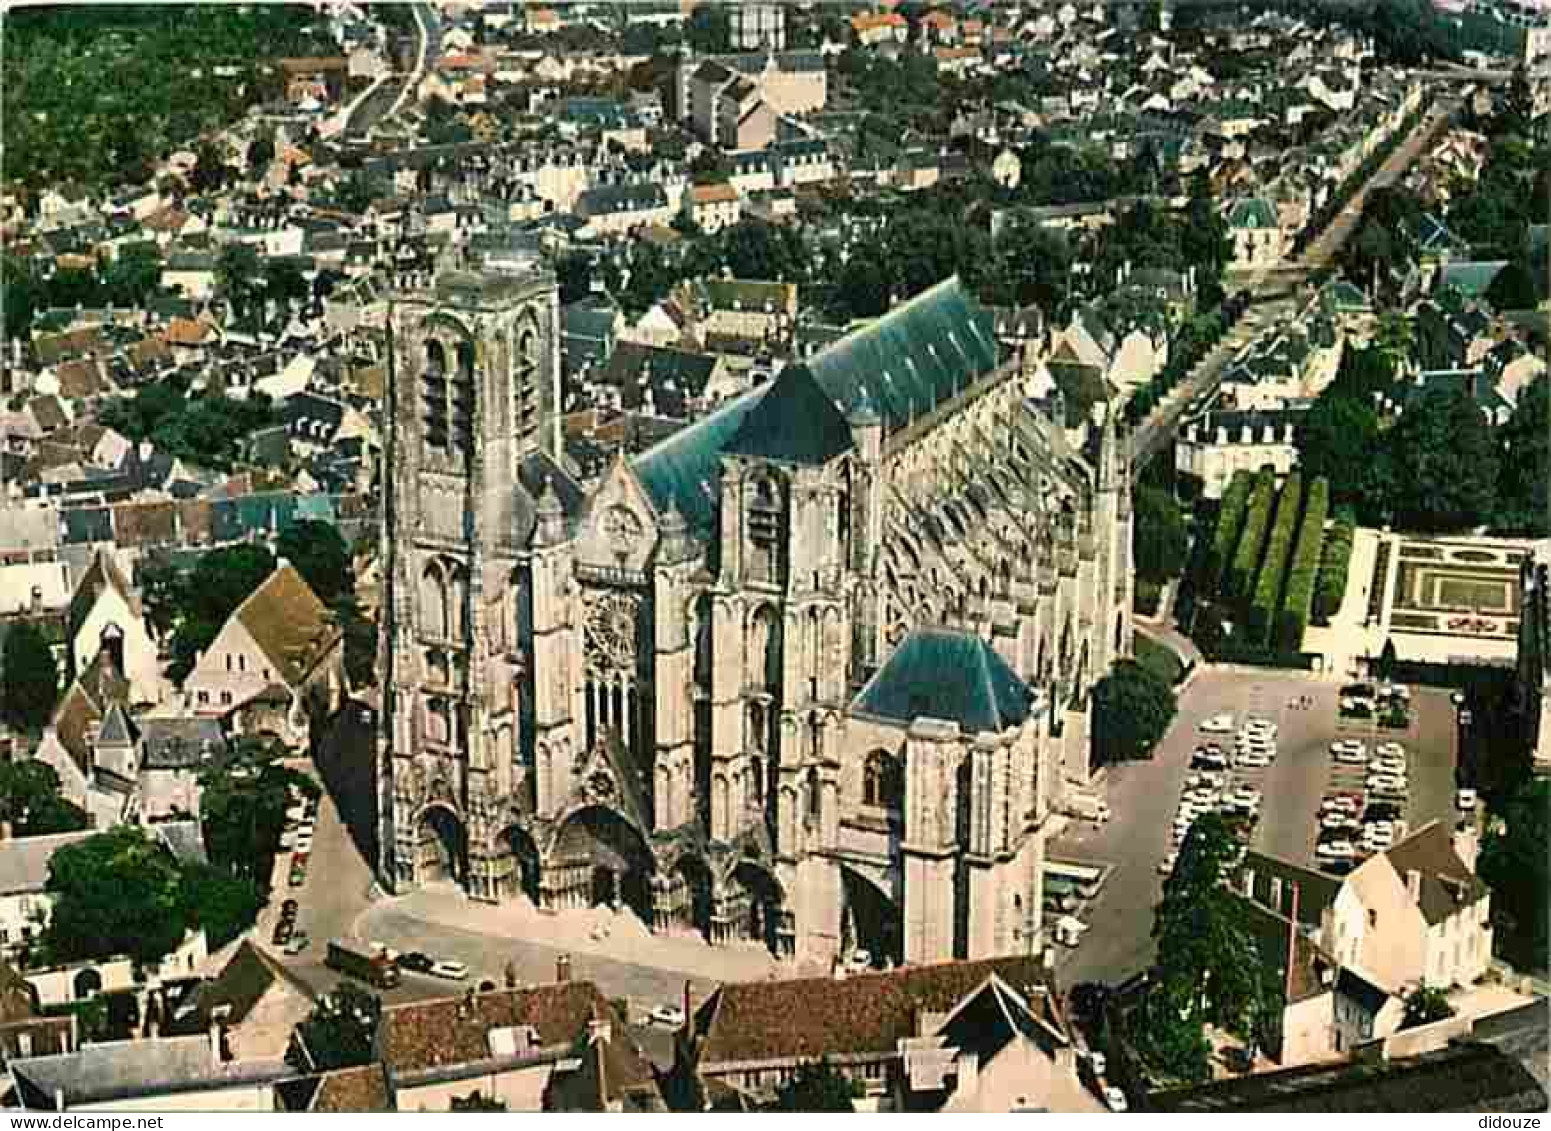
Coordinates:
1132	708
31	802
1445	463
1514	861
1160	539
29	683
1523	489
320	555
199	602
118	892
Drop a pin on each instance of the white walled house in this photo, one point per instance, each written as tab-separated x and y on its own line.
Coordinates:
106	614
278	657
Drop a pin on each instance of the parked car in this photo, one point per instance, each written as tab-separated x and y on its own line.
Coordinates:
282	933
1207	760
1253	760
1465	799
860	960
1114	1098
1335	850
1386	783
1166	865
447	968
297	944
670	1015
1390	750
1217	724
417	962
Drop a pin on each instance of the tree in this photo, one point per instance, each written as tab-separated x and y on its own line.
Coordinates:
817	1086
30	800
574	272
243	812
864	285
1205	945
223	904
135	274
320	555
707	30
1445	463
1523	493
1132	707
1513	288
1514	863
30	681
1424	1005
163	591
209	172
1337	439
1166	1036
261	152
117	892
238	274
1160	540
338	1033
355	195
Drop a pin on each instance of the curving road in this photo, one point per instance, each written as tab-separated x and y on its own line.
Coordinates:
390	96
1154	433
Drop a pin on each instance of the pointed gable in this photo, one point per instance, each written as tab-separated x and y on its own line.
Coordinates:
794	422
685	469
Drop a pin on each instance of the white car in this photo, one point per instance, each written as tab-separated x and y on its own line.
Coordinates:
861	960
1335	850
1264	727
1114	1098
1465	799
670	1015
1166	865
1348	755
453	971
1338	821
1386	783
1217	724
1340	805
1390	750
1254	760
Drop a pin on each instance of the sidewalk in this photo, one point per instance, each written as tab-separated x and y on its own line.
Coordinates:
627	939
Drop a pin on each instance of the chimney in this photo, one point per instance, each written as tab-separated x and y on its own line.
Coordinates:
968	1065
563	968
1414	884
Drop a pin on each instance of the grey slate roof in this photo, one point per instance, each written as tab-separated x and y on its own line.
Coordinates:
120	1069
795	422
685	468
918	355
941	674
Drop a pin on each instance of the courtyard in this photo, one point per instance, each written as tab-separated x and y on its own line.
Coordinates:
1437	600
1143	797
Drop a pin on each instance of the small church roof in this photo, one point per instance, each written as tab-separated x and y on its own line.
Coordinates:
942	674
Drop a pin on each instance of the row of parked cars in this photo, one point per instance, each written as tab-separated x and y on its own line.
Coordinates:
1355	824
300	823
1210	789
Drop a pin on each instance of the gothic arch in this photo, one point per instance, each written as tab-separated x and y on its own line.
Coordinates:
604	851
517	843
870	918
754	901
441	842
764	648
433	598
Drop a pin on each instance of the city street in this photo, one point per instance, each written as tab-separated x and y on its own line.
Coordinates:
1144	796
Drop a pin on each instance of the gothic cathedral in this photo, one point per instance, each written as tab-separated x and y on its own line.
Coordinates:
813	671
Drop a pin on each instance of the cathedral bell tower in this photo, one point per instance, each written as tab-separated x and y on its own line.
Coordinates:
473	392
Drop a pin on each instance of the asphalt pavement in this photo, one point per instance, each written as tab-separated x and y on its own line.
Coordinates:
1144	797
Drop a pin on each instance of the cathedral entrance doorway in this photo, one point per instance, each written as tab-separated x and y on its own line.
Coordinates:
523	877
869	920
690	895
600	859
442	848
752	909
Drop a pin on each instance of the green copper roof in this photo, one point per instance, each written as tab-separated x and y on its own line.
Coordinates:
686	467
1470	279
940	674
1252	213
918	355
795	422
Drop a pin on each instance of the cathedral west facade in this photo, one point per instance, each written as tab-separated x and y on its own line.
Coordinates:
812	671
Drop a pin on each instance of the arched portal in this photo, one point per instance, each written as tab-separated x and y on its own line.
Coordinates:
88	984
441	846
599	858
869	920
754	906
690	895
523	857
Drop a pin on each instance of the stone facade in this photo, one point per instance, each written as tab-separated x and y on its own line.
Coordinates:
693	690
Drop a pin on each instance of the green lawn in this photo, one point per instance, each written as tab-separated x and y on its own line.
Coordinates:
1158	659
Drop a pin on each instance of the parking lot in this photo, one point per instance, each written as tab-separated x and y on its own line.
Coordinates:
1144	797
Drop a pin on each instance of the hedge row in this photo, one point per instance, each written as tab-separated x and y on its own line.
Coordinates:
1333	564
1256	519
1298	600
1230	519
1266	599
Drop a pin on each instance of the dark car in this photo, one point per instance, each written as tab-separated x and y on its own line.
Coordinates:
289	907
416	962
282	933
